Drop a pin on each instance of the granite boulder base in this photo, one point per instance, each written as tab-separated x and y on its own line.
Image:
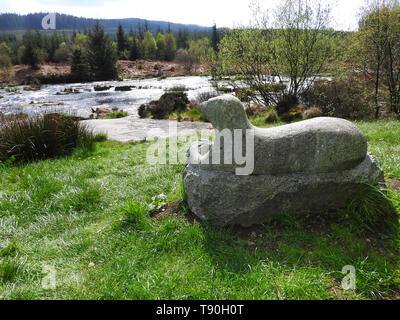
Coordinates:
313	166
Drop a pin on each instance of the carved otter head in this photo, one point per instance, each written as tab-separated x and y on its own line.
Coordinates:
226	112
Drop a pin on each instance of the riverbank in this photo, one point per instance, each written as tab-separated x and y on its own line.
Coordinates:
131	129
140	69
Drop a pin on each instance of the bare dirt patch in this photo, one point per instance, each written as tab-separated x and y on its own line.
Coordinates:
23	72
126	69
153	69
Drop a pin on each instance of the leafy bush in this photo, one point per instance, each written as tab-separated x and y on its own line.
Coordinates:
286	103
42	137
245	94
348	98
144	111
169	102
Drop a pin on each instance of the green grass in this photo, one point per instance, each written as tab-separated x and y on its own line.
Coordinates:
188	115
86	216
116	115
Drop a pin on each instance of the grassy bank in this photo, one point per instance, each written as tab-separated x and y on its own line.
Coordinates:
81	215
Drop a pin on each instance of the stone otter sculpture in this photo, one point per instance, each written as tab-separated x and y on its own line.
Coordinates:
313	165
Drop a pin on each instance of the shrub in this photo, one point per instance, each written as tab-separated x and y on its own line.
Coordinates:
245	94
169	102
348	98
271	116
184	57
144	111
255	109
286	103
295	113
205	96
100	137
313	112
42	137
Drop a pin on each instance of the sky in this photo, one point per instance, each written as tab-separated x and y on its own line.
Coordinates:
225	13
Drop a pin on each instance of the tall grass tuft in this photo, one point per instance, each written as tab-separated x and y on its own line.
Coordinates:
374	211
42	137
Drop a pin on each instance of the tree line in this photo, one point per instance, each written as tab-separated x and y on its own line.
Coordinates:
93	54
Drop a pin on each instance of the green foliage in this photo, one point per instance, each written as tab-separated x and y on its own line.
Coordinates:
11	269
33	53
170	46
121	40
62	54
373	211
137	215
100	137
175	257
5	62
42	137
101	55
116	115
79	65
144	111
193	114
161	46
348	97
286	103
200	50
295	46
134	51
5	59
271	116
169	102
215	38
149	46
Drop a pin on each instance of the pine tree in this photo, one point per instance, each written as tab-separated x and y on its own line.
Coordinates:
182	39
215	38
121	41
135	52
79	66
32	54
102	55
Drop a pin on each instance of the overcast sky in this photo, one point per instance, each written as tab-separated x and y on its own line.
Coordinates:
225	13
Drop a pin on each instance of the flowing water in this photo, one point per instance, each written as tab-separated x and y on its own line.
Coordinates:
50	98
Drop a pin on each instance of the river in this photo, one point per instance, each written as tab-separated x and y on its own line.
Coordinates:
51	98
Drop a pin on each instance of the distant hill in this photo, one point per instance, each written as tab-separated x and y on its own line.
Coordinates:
10	22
